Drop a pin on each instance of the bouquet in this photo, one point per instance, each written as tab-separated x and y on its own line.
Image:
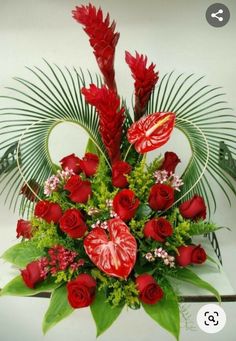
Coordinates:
107	229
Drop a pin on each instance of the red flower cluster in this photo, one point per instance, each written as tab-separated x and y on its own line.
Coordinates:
107	104
145	79
102	38
59	258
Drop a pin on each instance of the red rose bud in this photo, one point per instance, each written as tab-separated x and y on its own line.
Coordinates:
158	229
149	291
71	162
27	192
89	164
198	255
125	204
119	171
49	211
145	80
81	291
72	223
102	38
32	274
193	208
170	162
80	191
151	131
24	229
161	197
184	256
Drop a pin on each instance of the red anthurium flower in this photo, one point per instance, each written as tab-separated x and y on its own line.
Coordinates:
107	104
151	132
113	250
145	79
102	38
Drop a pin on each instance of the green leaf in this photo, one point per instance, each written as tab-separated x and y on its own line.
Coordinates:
186	275
143	211
59	308
166	311
22	254
201	227
103	313
17	287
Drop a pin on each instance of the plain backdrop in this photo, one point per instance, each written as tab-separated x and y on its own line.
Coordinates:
175	36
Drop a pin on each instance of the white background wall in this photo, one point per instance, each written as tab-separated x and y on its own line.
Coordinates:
175	35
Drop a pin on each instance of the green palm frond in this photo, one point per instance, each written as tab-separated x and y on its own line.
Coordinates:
53	97
204	117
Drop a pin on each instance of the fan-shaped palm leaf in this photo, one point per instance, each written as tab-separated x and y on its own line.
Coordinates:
203	116
54	97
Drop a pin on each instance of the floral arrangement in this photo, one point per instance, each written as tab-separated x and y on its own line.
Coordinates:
108	230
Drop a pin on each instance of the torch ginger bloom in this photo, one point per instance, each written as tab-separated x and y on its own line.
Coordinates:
145	79
102	38
107	104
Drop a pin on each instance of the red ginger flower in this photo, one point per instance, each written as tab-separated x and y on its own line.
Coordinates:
102	38
145	80
107	104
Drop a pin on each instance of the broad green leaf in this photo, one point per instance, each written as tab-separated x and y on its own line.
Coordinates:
59	308
143	211
17	287
186	275
22	254
166	311
103	313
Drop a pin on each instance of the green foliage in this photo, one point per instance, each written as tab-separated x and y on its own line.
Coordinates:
201	227
166	311
17	287
104	314
136	227
59	308
142	178
118	291
23	253
186	275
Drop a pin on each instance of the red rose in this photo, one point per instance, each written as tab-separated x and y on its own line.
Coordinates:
190	254
48	211
81	291
158	229
161	197
119	171
198	255
125	204
32	274
71	162
72	223
24	229
149	291
170	162
193	208
89	164
80	190
184	256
